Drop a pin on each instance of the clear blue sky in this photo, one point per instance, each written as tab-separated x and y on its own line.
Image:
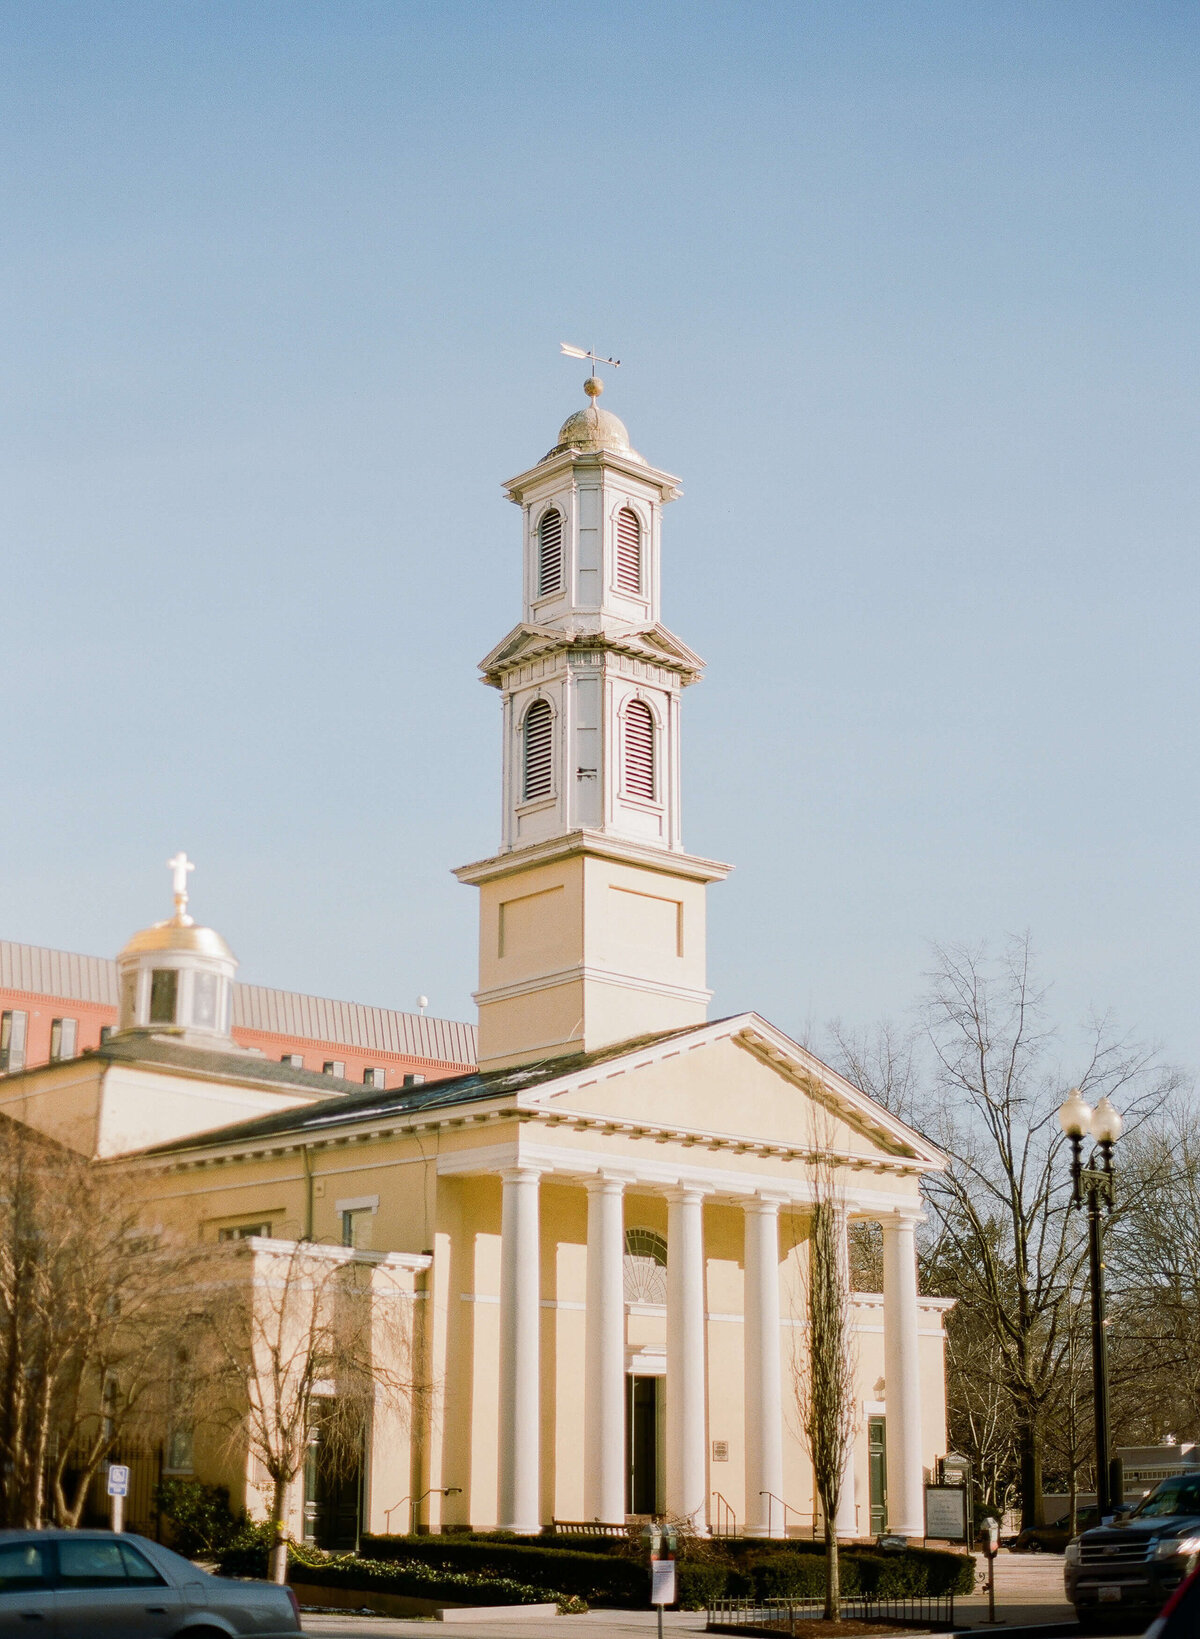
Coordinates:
907	294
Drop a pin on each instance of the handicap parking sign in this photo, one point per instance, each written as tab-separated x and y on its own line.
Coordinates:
118	1479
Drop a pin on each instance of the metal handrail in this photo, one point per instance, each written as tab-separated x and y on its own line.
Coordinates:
787	1509
726	1521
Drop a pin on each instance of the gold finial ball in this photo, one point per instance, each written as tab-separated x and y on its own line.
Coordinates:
593	386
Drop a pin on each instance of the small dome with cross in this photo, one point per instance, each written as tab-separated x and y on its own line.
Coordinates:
176	978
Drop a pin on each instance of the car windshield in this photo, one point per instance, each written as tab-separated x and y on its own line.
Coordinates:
1178	1495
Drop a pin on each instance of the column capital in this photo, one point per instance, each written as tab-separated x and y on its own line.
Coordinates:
607	1183
766	1202
523	1173
901	1218
688	1194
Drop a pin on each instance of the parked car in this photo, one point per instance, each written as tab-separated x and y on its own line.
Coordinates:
94	1585
1053	1539
1129	1568
1180	1617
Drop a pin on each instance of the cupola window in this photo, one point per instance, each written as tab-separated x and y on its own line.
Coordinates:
629	552
164	991
539	745
640	771
550	559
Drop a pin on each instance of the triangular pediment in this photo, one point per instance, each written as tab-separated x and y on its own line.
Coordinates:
739	1084
652	643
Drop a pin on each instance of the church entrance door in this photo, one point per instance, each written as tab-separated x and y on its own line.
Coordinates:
332	1494
645	1444
877	1457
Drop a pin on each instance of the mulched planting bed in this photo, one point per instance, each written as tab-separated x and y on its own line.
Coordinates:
817	1628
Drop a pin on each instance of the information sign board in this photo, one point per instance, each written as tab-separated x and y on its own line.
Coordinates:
946	1513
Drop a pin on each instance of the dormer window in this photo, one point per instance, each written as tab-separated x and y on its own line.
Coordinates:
550	559
629	552
640	771
538	739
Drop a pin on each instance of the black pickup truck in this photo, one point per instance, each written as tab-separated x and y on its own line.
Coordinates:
1131	1567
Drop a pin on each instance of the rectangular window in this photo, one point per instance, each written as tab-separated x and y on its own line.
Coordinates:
356	1227
13	1029
335	1067
296	1060
129	995
416	1080
63	1033
204	1000
374	1078
242	1232
164	991
106	1031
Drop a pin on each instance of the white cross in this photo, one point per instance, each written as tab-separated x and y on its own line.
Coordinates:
179	868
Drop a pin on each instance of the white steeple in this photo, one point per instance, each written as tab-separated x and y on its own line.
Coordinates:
591	684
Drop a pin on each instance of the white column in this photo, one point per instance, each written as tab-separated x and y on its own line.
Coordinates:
687	1421
765	1515
846	1523
519	1467
604	1359
902	1378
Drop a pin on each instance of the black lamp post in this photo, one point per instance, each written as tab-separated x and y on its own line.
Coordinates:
1093	1187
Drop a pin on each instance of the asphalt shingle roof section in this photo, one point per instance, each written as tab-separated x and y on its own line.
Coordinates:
344	1110
133	1047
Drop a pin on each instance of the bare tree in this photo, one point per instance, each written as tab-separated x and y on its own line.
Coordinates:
89	1305
824	1375
303	1340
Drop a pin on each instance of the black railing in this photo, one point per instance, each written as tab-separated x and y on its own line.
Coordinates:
781	1615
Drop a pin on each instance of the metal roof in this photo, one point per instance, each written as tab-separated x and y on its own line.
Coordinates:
255	1007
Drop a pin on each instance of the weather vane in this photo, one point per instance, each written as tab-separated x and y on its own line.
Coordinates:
593	386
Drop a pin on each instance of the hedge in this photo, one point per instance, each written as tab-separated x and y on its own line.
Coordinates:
722	1569
413	1580
595	1577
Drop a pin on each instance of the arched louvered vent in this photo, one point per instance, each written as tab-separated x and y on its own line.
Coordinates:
539	747
550	562
645	1266
629	552
639	750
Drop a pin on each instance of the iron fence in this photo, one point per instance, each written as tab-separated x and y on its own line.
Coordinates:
144	1459
753	1616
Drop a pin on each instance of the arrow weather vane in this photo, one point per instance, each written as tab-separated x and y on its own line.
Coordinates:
593	386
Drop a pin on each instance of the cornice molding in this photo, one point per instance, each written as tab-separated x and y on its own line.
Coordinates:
598	844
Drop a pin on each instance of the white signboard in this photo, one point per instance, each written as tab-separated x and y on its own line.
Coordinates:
662	1581
118	1480
946	1513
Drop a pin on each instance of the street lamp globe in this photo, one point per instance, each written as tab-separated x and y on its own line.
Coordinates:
1075	1114
1107	1123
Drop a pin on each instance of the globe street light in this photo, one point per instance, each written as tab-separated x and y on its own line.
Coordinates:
1093	1185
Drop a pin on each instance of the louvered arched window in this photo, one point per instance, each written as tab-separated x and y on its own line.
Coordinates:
550	560
629	552
539	748
640	772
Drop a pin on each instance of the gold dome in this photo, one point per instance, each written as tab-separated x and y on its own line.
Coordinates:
179	936
591	430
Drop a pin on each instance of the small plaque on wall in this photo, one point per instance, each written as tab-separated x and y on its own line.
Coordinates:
720	1451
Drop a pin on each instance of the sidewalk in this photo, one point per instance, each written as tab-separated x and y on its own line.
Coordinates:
1029	1592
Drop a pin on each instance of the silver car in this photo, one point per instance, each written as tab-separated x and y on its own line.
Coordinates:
94	1585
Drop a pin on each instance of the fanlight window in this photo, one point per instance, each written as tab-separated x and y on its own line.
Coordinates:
640	772
645	1266
539	745
629	552
550	560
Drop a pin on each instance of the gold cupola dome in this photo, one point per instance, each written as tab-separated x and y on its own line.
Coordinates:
176	978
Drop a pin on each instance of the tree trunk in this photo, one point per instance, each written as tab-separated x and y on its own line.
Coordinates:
833	1579
1033	1511
277	1564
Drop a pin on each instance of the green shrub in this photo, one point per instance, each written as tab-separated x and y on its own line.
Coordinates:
788	1576
597	1578
247	1554
202	1522
423	1582
698	1583
797	1571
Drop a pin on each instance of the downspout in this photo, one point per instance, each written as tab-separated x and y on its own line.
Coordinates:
308	1192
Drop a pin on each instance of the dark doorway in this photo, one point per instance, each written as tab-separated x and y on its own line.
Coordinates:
645	1434
332	1494
877	1456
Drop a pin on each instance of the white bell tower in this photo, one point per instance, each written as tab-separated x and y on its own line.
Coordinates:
591	913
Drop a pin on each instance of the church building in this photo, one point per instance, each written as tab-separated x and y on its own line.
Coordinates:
603	1230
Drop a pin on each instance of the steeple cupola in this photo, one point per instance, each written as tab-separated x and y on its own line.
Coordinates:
176	978
591	684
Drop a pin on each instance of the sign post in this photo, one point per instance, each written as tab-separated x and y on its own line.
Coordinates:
662	1542
118	1490
989	1539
